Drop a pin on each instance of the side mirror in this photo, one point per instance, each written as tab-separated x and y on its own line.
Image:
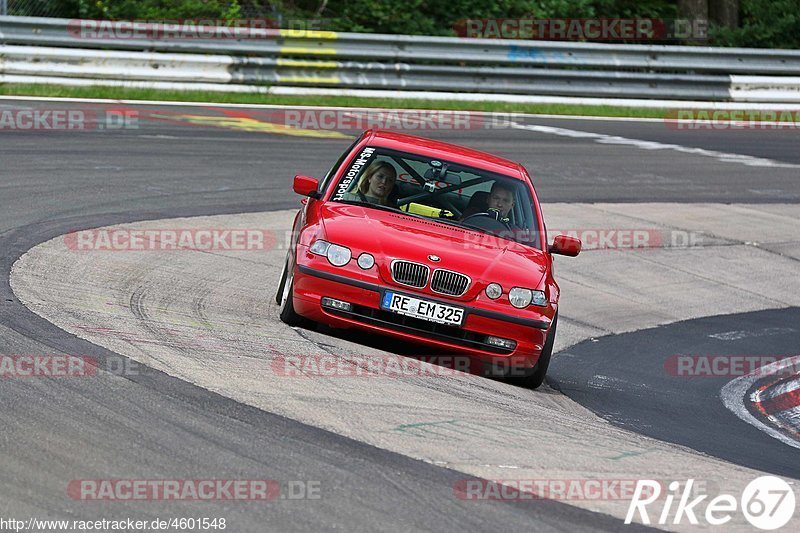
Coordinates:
566	245
306	186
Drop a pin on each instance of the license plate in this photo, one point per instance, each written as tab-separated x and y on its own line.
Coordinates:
424	309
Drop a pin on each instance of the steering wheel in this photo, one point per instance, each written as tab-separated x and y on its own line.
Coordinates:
486	221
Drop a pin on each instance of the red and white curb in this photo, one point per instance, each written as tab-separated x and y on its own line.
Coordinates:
777	401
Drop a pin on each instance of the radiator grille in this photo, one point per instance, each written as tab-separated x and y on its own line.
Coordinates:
449	282
411	274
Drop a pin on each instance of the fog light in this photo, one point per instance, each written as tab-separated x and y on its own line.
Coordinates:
494	291
366	261
336	304
507	344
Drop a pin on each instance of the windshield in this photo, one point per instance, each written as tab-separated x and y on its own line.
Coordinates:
490	203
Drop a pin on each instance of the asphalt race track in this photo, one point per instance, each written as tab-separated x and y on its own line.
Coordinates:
633	390
168	422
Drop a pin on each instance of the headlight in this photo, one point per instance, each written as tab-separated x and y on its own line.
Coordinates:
522	298
366	261
519	297
320	247
494	290
337	255
539	298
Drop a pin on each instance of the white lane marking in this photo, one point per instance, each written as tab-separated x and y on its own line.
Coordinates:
603	138
743	334
734	393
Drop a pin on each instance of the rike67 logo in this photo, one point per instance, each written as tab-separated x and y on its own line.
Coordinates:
767	503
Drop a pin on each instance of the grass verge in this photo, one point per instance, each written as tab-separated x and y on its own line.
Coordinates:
120	93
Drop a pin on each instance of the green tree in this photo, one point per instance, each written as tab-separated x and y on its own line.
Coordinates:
764	24
761	23
158	9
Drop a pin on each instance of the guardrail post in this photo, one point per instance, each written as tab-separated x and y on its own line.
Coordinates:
3	7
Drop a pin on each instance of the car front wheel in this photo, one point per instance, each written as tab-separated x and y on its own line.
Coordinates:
284	298
536	378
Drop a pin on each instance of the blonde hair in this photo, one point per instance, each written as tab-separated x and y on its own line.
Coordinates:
363	184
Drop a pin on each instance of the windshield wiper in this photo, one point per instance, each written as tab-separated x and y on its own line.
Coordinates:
457	224
374	206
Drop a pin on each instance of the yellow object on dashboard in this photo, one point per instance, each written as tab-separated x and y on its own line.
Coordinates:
424	210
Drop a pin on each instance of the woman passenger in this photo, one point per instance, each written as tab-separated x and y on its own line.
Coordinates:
375	185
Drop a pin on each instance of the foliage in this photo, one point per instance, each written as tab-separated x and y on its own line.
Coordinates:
158	9
764	23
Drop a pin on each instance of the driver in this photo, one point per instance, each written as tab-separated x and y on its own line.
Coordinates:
501	200
376	185
498	204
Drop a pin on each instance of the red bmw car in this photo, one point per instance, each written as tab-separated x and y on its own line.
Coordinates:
432	243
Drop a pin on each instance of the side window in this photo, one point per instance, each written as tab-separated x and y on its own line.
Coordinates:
326	181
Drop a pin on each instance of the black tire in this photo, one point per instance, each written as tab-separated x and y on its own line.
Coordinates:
281	283
535	379
285	301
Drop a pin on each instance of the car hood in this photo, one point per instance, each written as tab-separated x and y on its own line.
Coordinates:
392	235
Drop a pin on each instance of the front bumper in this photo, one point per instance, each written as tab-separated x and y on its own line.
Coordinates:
311	284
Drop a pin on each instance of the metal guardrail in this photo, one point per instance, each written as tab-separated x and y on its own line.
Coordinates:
398	62
140	66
